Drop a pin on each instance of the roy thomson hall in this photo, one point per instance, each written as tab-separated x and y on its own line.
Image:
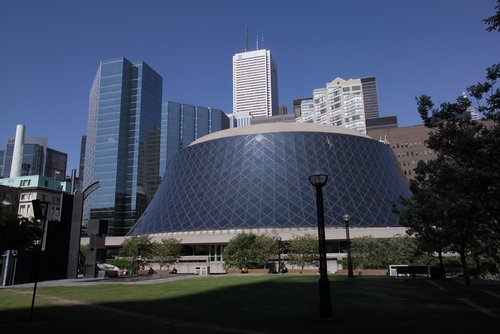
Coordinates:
255	179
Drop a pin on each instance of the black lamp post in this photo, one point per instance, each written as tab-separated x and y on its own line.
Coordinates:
318	180
347	219
40	209
279	254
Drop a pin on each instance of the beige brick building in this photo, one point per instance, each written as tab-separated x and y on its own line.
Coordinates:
408	146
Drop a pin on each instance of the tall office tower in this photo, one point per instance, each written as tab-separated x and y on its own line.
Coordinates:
122	146
347	103
181	124
2	159
369	89
55	164
255	84
34	158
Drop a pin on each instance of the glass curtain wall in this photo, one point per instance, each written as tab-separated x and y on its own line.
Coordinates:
122	150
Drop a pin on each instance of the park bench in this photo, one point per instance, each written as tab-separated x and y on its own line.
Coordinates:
412	270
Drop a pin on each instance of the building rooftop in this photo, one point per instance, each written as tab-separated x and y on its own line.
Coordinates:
279	127
34	181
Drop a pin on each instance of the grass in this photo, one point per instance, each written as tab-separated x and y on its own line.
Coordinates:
268	303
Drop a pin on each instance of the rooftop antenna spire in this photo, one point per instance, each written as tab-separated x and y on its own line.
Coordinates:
262	41
257	41
246	40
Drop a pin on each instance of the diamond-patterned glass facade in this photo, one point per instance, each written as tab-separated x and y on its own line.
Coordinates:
261	181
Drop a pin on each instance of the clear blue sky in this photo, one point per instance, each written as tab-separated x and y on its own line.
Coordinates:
50	50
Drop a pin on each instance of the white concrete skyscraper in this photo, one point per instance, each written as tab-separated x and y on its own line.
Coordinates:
255	84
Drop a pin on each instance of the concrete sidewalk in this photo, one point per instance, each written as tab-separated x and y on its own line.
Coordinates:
141	280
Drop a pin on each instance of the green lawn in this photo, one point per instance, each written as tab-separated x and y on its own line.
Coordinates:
269	303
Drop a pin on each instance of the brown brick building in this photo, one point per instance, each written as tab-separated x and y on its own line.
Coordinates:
408	146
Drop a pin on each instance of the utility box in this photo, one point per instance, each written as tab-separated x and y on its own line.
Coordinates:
202	270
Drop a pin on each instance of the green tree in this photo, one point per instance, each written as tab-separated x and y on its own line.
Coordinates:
137	249
444	188
462	186
429	237
267	248
247	250
124	263
303	250
166	252
493	22
487	169
375	253
18	233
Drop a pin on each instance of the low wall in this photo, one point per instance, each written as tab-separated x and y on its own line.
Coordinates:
365	272
157	272
186	268
248	271
304	272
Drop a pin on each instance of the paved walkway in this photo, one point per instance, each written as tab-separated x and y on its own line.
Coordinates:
132	280
137	280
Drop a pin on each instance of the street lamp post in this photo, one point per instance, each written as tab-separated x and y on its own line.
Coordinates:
279	254
318	180
40	209
347	219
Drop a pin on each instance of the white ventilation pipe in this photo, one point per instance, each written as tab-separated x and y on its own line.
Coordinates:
17	156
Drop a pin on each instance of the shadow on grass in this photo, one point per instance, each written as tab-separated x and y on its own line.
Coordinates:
278	304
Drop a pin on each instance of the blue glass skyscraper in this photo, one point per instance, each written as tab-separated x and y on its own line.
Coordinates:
123	138
181	124
37	159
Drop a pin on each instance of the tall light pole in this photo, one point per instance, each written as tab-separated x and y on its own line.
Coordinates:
40	209
279	254
79	204
318	180
347	219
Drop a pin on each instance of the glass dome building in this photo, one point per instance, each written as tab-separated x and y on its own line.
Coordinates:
256	178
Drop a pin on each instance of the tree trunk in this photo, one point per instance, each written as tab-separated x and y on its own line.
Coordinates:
478	264
441	263
465	270
440	258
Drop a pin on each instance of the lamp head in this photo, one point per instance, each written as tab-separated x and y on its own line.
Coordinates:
39	209
347	217
318	179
